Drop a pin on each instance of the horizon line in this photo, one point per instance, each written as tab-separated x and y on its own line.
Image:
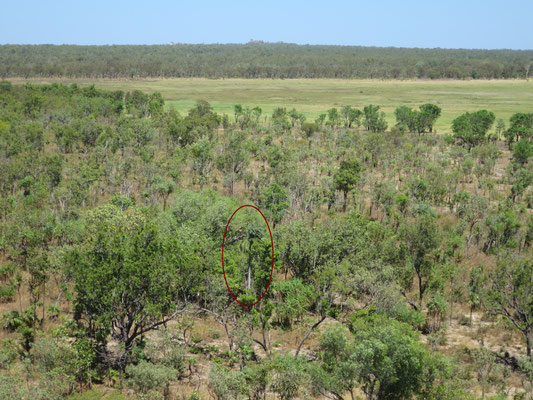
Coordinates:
261	42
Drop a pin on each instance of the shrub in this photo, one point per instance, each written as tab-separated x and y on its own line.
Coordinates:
152	395
7	293
289	376
11	388
54	385
11	320
226	384
8	353
412	317
146	377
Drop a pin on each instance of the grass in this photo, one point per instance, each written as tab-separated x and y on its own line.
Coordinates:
314	96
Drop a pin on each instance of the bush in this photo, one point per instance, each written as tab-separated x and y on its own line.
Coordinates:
437	306
54	385
72	363
412	317
7	293
146	377
164	350
48	355
226	384
57	362
8	353
526	366
436	339
152	395
11	320
11	388
289	377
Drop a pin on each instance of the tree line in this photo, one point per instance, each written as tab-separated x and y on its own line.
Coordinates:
260	60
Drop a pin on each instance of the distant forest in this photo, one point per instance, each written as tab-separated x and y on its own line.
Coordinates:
260	60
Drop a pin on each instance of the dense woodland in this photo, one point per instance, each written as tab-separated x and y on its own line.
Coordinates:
260	60
389	242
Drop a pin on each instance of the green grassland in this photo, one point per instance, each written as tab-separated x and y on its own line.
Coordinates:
313	96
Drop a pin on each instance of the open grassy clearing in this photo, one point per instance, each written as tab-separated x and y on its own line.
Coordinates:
314	96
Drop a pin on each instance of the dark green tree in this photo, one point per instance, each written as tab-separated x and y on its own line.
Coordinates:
347	177
520	127
471	128
124	281
391	361
429	114
522	151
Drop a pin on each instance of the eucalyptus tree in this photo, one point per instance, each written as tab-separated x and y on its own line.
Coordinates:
520	179
333	117
234	157
421	237
472	210
509	291
347	177
374	120
202	159
352	116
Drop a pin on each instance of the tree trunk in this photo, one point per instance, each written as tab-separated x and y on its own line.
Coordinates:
451	311
420	291
528	344
20	300
345	201
230	337
44	307
308	333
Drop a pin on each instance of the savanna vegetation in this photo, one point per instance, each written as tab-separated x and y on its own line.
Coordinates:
402	264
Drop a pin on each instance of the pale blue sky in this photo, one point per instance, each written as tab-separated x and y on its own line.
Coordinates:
408	23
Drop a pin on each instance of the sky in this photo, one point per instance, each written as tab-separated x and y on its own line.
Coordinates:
476	24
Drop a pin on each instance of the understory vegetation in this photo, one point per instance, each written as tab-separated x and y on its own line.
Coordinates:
402	268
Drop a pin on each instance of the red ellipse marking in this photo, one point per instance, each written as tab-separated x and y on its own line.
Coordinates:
271	242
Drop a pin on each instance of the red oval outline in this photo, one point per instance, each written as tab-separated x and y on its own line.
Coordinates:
271	242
